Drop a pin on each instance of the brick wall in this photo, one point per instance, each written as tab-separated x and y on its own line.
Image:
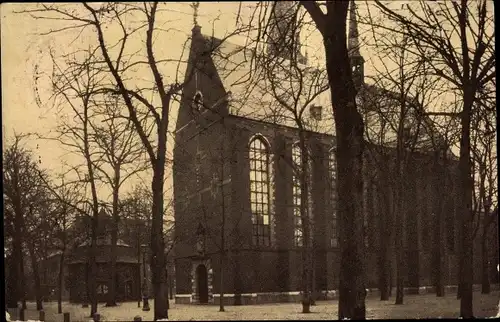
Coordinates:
277	268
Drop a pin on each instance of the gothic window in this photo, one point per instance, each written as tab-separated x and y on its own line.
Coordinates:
332	170
297	220
259	191
297	192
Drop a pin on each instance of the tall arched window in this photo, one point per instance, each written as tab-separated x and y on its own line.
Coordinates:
297	192
297	220
259	191
332	171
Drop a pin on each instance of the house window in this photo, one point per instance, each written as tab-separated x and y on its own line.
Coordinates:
102	289
332	171
259	191
316	112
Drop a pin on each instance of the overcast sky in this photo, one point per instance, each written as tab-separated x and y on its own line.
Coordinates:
24	54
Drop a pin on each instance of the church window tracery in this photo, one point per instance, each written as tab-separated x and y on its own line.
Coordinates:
332	171
260	191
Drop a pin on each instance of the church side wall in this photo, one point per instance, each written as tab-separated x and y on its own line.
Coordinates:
254	274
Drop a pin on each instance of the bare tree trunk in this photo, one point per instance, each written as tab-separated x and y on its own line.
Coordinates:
305	216
12	274
60	281
22	281
314	294
385	249
349	130
466	309
157	245
223	231
92	285
399	246
439	254
221	282
111	300
485	267
440	188
36	276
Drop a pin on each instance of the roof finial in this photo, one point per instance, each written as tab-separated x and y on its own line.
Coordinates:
353	44
195	6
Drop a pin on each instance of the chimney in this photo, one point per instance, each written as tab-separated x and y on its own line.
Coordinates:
315	111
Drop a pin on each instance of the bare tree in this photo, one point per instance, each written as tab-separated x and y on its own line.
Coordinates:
393	119
331	23
330	20
121	152
293	87
21	190
74	96
116	66
62	217
485	177
135	220
38	230
468	65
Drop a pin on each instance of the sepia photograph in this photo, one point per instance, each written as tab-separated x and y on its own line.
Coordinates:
249	160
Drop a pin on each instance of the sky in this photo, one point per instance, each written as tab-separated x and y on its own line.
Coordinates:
26	66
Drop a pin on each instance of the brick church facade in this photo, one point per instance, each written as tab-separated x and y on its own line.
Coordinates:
233	186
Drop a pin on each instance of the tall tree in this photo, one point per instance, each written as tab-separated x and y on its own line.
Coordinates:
394	125
291	88
74	96
121	153
38	230
21	190
66	197
459	36
349	129
132	20
485	176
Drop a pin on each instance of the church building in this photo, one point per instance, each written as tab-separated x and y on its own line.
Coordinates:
237	224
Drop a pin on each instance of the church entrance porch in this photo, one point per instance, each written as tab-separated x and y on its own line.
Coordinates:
201	282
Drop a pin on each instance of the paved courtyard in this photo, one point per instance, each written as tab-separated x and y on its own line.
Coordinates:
416	306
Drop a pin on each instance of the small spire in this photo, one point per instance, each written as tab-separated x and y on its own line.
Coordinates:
195	6
353	44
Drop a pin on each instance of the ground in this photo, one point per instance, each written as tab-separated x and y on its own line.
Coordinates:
416	306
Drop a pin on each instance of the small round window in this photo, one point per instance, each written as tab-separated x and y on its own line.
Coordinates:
198	101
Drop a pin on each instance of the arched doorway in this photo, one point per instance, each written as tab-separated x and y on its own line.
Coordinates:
202	283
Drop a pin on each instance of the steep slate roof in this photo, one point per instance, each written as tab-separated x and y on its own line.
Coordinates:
382	106
241	73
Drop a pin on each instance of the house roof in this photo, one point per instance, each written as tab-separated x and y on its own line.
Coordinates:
105	242
381	108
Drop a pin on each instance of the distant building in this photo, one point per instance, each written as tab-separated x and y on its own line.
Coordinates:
230	172
129	263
